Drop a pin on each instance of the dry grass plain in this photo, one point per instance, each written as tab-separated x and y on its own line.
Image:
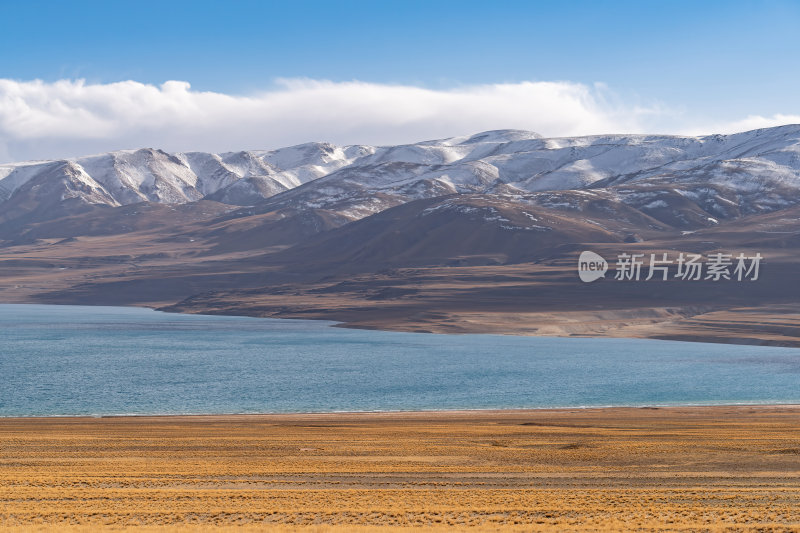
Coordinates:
669	469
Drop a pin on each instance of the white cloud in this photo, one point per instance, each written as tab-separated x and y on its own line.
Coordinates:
40	120
752	122
71	117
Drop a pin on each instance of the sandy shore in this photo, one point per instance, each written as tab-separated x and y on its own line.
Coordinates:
677	469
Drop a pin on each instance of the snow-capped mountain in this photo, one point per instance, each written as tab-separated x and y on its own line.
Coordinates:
150	175
668	177
681	181
489	225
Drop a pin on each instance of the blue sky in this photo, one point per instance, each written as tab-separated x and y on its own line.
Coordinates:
690	65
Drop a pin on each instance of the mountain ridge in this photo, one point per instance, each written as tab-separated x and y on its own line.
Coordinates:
521	160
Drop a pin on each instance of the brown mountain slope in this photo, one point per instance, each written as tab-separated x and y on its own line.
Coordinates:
463	230
464	263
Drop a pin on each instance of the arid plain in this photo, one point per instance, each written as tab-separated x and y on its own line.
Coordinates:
668	469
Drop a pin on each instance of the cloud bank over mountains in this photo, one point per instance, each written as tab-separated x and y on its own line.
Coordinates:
43	120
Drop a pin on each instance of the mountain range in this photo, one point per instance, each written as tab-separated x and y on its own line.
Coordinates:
425	236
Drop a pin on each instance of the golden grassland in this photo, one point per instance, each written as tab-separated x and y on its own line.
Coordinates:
669	469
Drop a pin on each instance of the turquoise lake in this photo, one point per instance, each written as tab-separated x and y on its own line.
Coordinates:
74	360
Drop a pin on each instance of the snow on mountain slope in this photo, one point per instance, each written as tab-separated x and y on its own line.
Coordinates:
213	173
14	175
56	190
306	162
143	175
686	182
722	176
240	178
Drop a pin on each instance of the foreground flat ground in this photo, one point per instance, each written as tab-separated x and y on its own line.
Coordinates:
676	469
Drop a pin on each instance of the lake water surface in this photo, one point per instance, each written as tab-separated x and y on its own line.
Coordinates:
73	360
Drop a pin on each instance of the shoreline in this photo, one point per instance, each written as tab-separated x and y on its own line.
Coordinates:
649	331
417	413
695	326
